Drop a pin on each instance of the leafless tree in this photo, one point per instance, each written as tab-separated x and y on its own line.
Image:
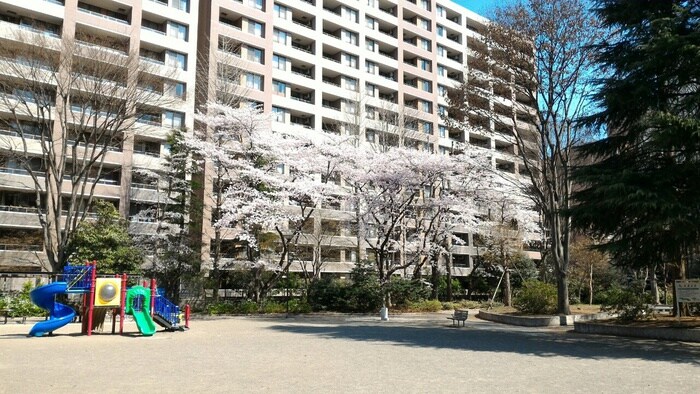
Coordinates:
66	104
528	81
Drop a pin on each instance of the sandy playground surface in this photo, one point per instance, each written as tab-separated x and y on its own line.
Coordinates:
342	353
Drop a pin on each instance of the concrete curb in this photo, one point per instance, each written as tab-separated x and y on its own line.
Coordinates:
539	321
669	334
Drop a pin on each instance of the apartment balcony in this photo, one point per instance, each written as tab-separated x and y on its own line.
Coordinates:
106	11
11	23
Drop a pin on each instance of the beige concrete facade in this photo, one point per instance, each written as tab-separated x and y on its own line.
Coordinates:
318	65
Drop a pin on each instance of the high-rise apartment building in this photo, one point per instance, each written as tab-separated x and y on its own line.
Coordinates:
160	35
316	65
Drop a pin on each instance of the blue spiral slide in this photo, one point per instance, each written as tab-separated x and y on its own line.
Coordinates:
59	314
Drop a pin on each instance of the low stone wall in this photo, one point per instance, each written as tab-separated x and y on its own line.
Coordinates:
539	321
671	334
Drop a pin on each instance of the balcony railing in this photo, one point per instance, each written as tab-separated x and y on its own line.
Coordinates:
10	208
21	248
118	20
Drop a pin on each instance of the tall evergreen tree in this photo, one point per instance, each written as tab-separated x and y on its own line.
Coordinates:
641	188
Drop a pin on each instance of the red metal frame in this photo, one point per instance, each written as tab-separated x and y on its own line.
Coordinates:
123	305
153	295
91	306
187	315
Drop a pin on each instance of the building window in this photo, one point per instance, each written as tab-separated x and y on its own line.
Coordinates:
427	106
173	119
442	91
280	11
441	51
428	128
424	23
369	22
175	59
370	89
442	110
443	131
177	30
255	55
350	14
442	71
427	86
279	88
350	84
255	28
279	36
440	31
254	81
279	62
370	66
425	4
349	37
350	60
370	135
258	4
350	106
279	114
370	44
424	64
174	89
425	44
182	5
440	10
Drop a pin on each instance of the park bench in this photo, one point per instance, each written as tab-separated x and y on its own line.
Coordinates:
459	315
661	308
7	312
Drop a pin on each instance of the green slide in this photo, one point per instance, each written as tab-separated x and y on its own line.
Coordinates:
138	304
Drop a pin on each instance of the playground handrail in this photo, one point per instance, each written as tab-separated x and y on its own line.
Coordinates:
78	277
167	310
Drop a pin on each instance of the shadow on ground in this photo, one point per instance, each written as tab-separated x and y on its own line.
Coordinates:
538	343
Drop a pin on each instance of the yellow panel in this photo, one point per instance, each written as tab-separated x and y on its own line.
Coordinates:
108	292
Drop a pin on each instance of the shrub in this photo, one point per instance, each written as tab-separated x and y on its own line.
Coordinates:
405	292
629	304
442	287
425	306
536	297
230	308
274	307
364	294
448	306
22	305
329	294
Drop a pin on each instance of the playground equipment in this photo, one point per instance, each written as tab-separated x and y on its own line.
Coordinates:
144	304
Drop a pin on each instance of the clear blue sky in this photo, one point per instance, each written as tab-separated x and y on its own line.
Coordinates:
482	7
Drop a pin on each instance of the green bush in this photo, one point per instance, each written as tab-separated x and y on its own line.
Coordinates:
364	294
425	306
448	306
405	292
442	287
536	297
21	304
329	294
232	308
628	304
274	307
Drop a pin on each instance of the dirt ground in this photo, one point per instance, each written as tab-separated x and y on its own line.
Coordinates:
411	353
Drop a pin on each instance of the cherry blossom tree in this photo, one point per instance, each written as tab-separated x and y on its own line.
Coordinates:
275	183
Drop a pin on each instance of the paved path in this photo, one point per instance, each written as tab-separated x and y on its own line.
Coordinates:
329	354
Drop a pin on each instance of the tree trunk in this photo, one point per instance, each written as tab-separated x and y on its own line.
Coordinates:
590	286
448	266
507	290
654	286
435	280
563	295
